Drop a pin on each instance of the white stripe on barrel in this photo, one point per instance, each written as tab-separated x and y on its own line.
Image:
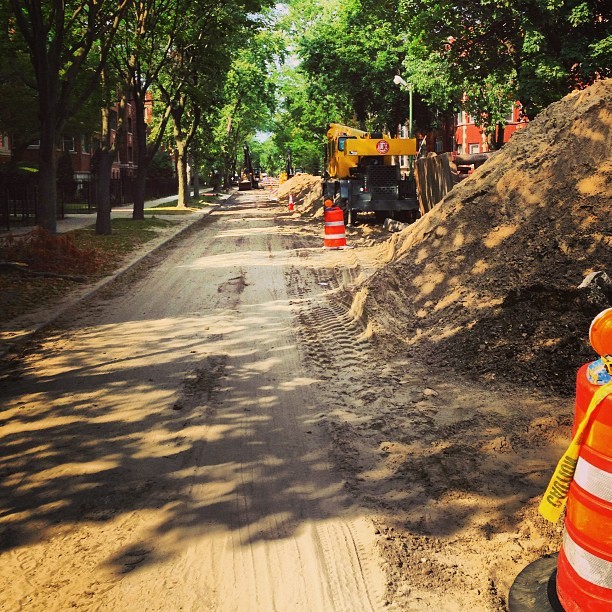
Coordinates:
593	480
593	569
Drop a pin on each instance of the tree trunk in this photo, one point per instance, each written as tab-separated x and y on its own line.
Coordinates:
140	184
228	171
143	159
181	170
499	141
104	168
196	178
47	175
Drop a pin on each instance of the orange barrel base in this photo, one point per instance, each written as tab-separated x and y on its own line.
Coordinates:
335	237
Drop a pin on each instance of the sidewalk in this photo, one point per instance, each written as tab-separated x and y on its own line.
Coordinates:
79	221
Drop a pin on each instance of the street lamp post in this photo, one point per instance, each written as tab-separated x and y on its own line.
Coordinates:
397	79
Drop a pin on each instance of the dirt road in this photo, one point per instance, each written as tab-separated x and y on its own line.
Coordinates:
220	430
161	449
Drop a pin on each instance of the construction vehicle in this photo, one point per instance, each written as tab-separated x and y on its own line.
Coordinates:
363	176
289	164
249	179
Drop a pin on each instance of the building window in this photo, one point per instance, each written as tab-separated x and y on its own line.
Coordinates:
510	116
439	146
130	153
85	143
474	148
462	118
69	144
4	143
112	119
129	125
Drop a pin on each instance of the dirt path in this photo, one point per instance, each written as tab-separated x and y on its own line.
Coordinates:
161	450
222	430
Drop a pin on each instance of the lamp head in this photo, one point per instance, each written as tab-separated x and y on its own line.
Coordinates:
397	79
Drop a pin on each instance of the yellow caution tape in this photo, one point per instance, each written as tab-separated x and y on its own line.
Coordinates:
555	497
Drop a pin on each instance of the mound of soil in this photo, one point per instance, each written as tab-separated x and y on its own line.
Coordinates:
306	192
488	282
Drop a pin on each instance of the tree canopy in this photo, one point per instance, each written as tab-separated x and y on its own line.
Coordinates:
489	53
224	74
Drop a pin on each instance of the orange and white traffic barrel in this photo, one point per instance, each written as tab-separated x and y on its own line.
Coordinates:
584	569
582	486
583	482
335	234
291	203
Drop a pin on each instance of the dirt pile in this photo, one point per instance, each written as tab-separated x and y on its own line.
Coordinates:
307	194
488	282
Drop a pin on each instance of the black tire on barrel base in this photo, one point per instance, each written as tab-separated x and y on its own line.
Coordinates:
534	589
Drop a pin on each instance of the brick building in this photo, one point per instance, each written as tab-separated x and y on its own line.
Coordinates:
81	148
469	139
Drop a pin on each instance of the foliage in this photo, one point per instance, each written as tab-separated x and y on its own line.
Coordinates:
249	96
17	85
301	121
496	51
193	78
161	166
479	55
218	69
350	51
59	37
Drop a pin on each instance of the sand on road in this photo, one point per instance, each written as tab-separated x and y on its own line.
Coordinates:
160	445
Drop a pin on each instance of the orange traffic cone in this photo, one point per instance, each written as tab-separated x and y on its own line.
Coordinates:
291	203
600	333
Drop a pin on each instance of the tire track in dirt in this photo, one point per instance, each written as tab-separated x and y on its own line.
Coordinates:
426	453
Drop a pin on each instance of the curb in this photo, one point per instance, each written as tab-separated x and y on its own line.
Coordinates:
19	342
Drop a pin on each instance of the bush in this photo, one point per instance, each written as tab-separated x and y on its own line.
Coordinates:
46	252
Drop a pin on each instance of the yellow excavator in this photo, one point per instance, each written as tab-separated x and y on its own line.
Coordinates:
363	174
249	179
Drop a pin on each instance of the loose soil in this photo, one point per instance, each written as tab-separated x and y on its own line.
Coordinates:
307	192
480	303
487	283
249	421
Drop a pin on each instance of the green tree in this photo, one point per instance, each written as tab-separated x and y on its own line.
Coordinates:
249	97
59	36
301	121
486	54
351	50
561	46
17	83
143	48
194	76
107	147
